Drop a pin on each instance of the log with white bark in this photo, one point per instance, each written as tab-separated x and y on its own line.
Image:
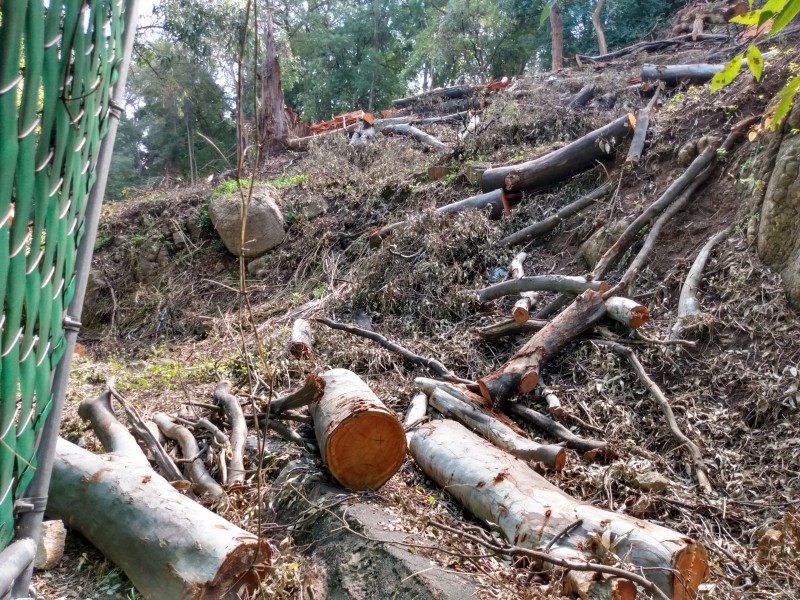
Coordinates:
576	157
362	442
521	310
540	283
425	138
169	546
551	222
509	327
533	513
689	305
520	374
696	73
502	436
417	410
640	131
454	92
461	393
302	340
627	311
202	482
233	412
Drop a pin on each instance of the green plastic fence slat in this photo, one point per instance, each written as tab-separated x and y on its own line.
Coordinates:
58	61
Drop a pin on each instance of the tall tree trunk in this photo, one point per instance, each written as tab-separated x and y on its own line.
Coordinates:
274	125
375	47
557	37
597	21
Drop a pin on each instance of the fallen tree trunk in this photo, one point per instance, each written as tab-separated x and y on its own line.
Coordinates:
576	157
555	429
417	411
533	513
553	457
311	391
521	372
170	547
650	47
540	283
697	73
458	91
689	305
233	412
419	135
301	144
551	222
361	441
302	340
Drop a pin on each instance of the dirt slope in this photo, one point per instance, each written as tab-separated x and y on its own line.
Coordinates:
165	319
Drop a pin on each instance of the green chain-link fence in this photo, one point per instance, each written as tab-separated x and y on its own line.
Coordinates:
59	60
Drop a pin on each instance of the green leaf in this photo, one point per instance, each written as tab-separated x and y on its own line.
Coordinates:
755	61
548	6
750	18
728	73
785	16
786	100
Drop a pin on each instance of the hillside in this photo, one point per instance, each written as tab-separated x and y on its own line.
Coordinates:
166	321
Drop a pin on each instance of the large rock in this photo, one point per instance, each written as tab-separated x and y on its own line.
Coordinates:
264	229
778	233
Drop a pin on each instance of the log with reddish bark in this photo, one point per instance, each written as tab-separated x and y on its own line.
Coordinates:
502	436
361	441
551	222
533	513
302	340
170	547
521	372
576	157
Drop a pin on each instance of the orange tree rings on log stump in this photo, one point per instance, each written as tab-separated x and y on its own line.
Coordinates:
581	155
361	440
521	372
533	513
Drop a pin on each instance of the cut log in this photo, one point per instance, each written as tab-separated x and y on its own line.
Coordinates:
555	429
454	118
169	546
640	131
576	157
301	144
417	410
553	457
689	305
521	372
459	91
233	412
533	513
655	46
419	135
202	482
627	311
582	97
522	307
113	435
551	222
510	327
361	441
696	74
50	549
541	283
302	344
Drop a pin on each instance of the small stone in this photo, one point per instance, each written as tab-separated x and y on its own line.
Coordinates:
651	481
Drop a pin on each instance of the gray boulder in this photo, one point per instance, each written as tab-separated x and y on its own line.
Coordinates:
264	228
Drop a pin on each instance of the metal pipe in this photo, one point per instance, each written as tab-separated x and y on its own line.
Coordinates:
15	559
30	523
